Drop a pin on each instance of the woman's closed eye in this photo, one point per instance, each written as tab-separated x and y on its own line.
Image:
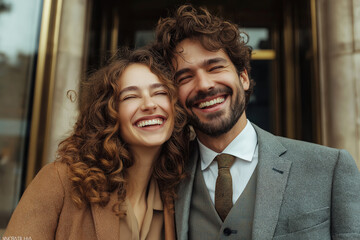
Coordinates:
127	97
161	92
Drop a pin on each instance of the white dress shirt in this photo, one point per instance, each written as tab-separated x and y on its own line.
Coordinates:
244	148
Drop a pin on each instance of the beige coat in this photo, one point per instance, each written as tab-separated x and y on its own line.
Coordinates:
46	211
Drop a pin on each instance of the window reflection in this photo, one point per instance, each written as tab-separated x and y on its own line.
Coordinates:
259	38
259	109
19	24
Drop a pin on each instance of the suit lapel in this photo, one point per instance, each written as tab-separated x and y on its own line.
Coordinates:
107	224
272	179
182	204
271	183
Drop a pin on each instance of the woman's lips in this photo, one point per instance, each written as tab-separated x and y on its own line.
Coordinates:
150	121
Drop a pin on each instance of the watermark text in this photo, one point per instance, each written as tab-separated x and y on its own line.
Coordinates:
16	238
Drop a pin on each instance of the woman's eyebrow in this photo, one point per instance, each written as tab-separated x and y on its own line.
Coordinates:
157	85
135	88
128	89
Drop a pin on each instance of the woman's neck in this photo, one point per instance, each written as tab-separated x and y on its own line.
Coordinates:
139	175
140	172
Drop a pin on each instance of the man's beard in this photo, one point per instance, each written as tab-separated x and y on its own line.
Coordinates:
219	124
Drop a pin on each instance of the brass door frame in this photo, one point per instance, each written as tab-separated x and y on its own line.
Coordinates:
291	75
44	87
316	90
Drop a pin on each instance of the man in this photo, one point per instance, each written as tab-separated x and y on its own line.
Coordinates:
275	188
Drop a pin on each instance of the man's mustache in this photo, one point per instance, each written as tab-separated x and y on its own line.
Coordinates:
202	95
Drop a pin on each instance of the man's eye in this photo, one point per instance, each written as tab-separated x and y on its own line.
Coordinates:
184	79
216	68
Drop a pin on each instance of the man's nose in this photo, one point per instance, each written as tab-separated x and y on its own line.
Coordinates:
203	82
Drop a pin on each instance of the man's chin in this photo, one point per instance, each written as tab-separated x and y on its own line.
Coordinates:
210	128
215	124
208	118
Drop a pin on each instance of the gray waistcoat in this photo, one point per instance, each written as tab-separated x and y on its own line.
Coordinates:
205	223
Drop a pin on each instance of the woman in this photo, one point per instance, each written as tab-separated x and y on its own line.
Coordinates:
116	175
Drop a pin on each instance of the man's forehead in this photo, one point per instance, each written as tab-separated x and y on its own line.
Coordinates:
187	44
189	54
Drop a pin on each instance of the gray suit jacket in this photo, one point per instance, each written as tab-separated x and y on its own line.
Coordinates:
304	191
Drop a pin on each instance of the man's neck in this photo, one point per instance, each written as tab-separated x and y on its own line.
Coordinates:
219	143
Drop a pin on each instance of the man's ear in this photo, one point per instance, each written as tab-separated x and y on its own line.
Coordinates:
244	78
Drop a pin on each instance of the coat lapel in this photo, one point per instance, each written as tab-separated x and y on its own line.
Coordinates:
107	224
182	203
272	179
169	224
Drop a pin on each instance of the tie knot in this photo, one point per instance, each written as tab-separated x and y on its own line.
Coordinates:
224	160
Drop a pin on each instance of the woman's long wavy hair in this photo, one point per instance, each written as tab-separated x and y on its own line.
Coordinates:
97	156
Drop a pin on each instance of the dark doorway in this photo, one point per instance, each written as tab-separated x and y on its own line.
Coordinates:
283	65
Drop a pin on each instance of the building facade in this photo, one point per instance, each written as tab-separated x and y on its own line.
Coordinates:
305	62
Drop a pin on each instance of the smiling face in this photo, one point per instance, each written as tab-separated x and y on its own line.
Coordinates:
210	89
145	110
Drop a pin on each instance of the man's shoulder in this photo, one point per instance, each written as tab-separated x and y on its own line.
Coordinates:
293	144
299	145
300	151
307	159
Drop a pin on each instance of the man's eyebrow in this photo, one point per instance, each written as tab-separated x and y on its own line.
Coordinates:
214	60
180	72
206	62
135	88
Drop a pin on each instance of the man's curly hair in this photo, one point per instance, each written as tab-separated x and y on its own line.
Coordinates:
211	31
97	156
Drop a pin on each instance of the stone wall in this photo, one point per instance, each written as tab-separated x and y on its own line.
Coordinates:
69	66
339	51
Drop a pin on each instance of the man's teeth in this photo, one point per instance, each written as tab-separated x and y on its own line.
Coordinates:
150	122
211	102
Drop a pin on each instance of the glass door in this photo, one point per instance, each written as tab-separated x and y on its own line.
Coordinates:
285	99
19	36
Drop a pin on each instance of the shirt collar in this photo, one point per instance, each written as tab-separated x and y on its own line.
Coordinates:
243	147
154	193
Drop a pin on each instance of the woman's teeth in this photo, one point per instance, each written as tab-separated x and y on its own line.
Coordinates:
151	122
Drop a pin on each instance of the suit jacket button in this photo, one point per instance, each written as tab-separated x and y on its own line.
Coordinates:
227	231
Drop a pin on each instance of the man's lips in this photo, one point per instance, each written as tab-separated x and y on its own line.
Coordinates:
208	99
211	102
150	121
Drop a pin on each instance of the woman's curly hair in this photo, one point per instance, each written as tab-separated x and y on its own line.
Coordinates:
211	31
97	156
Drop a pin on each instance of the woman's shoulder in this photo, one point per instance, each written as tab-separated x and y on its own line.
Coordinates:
53	174
55	166
38	211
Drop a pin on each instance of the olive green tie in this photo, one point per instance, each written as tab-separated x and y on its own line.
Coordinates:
223	187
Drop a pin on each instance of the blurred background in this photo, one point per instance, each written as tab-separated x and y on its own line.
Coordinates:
306	65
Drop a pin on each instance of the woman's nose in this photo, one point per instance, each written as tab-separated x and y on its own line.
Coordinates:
148	104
